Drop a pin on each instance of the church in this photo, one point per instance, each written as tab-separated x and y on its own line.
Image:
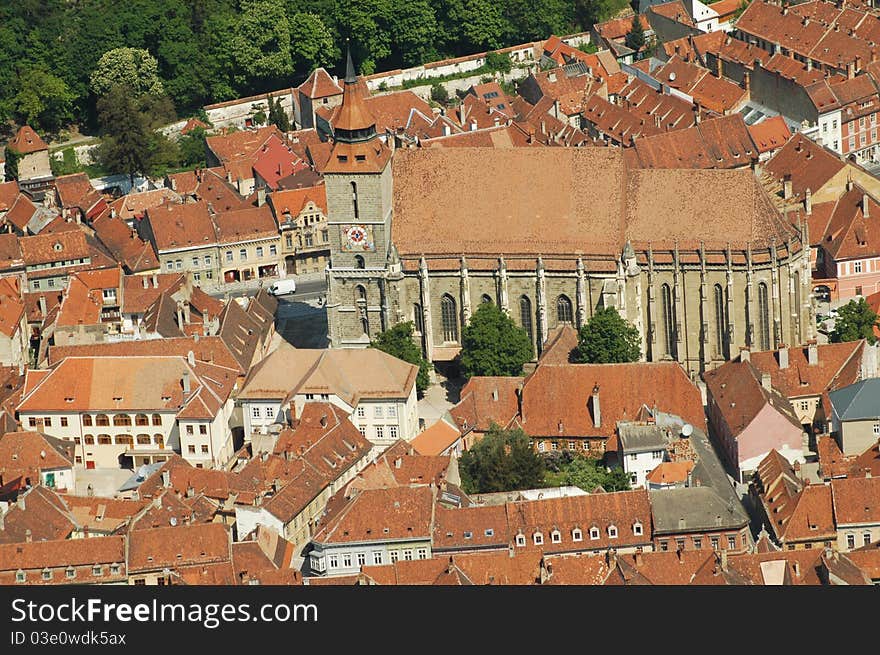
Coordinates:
700	261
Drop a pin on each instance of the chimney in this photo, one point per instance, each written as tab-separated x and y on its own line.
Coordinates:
867	473
638	558
186	314
42	300
190	492
850	70
597	413
812	352
21	502
744	355
865	205
27	535
155	281
809	65
173	184
765	381
473	126
180	322
552	76
276	485
261	196
191	357
808	201
747	80
724	560
690	478
186	385
786	186
719	67
783	356
495	394
797	568
229	176
166	478
324	421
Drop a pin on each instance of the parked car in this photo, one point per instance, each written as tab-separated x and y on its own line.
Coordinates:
283	287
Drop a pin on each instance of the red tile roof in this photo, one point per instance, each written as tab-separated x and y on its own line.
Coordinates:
275	160
320	85
838	366
770	134
27	141
436	438
722	142
81	554
810	165
487	400
244	224
856	501
557	400
158	548
182	226
674	11
11	306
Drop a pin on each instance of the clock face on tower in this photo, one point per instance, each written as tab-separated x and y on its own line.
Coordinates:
357	238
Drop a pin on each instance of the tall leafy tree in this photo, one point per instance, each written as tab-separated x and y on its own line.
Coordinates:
492	344
398	342
43	100
133	68
261	45
502	460
415	29
607	338
313	43
855	320
365	23
277	116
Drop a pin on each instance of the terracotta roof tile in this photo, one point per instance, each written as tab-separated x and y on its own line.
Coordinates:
436	438
837	366
27	141
722	142
770	134
856	501
82	554
39	514
182	226
487	400
155	549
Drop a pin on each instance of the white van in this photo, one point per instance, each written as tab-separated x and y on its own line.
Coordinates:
282	287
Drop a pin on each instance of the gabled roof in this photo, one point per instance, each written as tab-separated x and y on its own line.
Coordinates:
838	365
722	142
694	509
293	201
856	501
173	547
486	400
351	374
858	401
182	226
436	438
739	395
770	134
39	515
810	165
125	245
275	160
11	306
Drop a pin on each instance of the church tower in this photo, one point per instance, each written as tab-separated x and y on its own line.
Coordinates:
358	184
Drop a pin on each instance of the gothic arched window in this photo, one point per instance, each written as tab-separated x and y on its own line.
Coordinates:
418	318
485	299
525	316
359	262
720	320
763	317
564	312
449	315
668	321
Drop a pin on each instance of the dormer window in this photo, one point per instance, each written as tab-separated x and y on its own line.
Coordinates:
594	533
538	538
47	574
70	572
577	535
556	537
612	532
637	529
20	576
520	540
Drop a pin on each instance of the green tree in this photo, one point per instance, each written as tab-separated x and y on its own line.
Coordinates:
398	342
414	26
261	45
277	116
133	68
11	165
607	338
492	344
43	100
635	38
193	148
502	460
131	145
312	42
855	320
588	473
589	12
366	22
498	62
439	93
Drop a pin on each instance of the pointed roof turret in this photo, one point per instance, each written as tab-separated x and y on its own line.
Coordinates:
354	121
356	146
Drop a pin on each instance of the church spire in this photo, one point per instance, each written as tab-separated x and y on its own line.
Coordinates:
354	122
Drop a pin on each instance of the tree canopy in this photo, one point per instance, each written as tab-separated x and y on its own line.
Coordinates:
635	38
213	50
492	344
398	341
135	69
588	473
607	338
502	460
855	320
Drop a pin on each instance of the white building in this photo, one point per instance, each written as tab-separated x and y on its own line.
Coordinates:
641	449
376	391
129	411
